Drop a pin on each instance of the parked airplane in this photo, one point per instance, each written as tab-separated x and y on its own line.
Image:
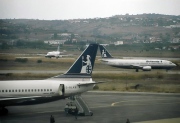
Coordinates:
145	65
75	81
56	54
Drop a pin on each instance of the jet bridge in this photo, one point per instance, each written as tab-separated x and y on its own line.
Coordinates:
82	107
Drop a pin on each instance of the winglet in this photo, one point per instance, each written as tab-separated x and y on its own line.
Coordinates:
104	52
85	63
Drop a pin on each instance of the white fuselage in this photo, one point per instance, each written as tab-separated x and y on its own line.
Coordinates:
41	89
53	54
132	63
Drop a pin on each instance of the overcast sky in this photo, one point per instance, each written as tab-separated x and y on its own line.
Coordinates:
74	9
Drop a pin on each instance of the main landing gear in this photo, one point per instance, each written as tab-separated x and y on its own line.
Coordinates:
137	70
3	111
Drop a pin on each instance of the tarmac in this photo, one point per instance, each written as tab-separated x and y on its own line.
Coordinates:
107	107
172	120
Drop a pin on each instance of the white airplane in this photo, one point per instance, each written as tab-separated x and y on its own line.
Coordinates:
75	81
56	54
145	65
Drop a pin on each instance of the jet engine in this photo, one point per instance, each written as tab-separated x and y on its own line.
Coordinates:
146	68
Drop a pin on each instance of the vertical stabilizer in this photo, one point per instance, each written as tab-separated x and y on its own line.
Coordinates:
85	63
58	49
104	52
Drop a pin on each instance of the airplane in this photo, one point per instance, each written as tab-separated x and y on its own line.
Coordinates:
144	64
56	54
73	82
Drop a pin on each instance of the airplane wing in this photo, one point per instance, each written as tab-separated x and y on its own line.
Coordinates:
136	66
65	55
17	98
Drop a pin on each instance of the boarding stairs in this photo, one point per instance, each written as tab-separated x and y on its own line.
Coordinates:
82	106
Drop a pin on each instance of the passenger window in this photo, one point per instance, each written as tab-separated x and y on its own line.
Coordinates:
35	90
47	89
25	90
44	89
6	90
22	90
28	90
9	90
31	90
12	90
50	89
38	90
2	90
19	90
16	90
41	89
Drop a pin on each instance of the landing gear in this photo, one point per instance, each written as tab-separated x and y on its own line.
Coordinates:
91	113
3	111
137	70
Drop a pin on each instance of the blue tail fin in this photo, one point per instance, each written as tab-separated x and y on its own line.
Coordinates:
104	52
85	63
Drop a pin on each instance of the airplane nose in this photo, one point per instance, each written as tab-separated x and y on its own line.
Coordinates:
176	64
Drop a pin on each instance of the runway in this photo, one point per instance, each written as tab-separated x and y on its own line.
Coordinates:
107	107
63	71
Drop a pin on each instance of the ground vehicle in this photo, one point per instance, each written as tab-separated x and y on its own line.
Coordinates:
70	108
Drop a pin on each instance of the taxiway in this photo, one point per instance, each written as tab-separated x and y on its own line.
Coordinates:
107	107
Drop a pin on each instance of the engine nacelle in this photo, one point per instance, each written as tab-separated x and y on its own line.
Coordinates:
146	68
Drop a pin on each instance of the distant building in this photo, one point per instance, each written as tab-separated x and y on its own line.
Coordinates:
174	47
172	26
54	42
12	42
104	44
155	40
64	34
175	40
118	43
74	40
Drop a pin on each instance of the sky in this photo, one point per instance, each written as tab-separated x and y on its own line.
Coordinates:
83	9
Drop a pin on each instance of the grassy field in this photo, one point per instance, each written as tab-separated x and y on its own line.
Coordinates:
139	82
133	82
116	79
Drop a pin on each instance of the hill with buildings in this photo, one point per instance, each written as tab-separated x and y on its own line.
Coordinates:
118	30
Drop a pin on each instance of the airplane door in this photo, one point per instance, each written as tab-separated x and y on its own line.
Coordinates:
61	90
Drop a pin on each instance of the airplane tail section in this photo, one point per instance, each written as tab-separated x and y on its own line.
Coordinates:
104	52
85	63
58	49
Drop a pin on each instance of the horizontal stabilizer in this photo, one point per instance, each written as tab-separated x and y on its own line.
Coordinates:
91	83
